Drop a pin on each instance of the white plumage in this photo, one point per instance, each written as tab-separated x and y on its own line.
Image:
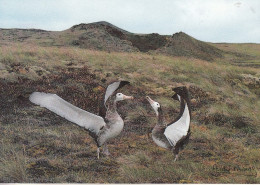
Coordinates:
174	135
101	128
111	89
177	130
70	112
159	142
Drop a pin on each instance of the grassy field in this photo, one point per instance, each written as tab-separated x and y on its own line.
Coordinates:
37	146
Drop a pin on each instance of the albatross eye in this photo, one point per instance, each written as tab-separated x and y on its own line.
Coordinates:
156	104
119	94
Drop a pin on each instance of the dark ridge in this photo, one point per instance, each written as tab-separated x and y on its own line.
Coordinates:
147	42
101	24
101	36
181	44
144	43
108	37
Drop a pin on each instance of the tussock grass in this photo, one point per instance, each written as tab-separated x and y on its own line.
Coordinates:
12	164
37	146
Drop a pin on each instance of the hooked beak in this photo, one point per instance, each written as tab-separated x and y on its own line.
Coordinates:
128	97
151	103
150	100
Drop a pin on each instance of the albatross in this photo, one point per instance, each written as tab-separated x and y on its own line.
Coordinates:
107	125
175	134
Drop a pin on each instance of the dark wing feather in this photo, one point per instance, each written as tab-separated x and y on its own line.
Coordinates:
111	88
180	144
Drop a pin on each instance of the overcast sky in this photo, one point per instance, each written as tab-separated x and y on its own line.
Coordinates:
207	20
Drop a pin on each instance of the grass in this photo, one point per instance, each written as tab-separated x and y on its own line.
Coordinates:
13	164
241	54
38	146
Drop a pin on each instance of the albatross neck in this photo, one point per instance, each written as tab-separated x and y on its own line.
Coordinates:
112	106
160	122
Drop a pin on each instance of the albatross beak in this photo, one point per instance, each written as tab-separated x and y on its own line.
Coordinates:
152	103
150	100
128	97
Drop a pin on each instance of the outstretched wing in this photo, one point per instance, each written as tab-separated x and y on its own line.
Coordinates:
178	129
70	112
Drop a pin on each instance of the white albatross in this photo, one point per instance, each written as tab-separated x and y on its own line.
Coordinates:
102	128
174	135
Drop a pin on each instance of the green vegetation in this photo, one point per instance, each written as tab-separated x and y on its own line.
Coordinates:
38	146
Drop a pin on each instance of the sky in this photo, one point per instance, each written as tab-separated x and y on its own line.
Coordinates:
232	21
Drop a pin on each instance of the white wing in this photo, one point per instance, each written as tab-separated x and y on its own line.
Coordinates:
177	130
111	89
70	112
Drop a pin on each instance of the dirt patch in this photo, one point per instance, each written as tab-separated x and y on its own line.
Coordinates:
147	42
43	168
251	81
226	121
46	148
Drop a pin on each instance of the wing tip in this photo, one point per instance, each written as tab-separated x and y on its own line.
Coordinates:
34	97
37	97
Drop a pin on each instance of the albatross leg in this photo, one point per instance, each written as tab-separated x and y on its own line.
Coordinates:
176	157
175	151
105	150
98	152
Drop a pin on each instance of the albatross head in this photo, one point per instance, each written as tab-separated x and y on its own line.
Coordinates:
180	92
121	96
155	105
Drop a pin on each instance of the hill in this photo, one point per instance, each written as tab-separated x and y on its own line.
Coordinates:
107	37
181	44
37	146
